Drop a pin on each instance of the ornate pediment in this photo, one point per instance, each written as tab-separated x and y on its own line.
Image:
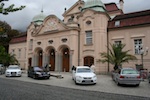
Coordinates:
51	24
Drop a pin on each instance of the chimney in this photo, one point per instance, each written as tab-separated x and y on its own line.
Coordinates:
121	2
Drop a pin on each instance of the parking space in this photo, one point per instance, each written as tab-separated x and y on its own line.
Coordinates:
104	84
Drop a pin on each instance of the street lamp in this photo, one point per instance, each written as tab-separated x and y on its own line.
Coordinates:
142	52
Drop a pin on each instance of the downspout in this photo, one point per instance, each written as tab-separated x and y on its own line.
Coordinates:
78	45
108	50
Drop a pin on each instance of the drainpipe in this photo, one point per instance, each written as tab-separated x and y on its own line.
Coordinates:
78	45
108	50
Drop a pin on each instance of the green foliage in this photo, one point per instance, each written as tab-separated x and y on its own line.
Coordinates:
116	55
6	58
6	10
6	34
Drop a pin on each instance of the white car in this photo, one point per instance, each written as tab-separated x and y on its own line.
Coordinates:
84	75
13	70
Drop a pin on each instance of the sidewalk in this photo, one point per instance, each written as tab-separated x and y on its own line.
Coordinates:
104	84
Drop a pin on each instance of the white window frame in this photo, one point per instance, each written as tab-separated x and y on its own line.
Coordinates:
13	51
89	38
138	46
117	23
117	42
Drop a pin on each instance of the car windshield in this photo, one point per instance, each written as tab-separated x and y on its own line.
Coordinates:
1	65
129	71
13	68
83	70
38	69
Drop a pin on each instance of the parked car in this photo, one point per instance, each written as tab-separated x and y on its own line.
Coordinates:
149	77
13	70
2	69
128	76
38	72
83	75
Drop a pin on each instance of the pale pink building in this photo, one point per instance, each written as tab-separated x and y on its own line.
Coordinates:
87	28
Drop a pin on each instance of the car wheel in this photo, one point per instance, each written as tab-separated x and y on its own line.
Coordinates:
34	76
113	78
117	82
137	84
75	81
28	75
47	78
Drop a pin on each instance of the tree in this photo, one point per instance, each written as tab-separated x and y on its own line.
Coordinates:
116	55
7	10
6	34
6	58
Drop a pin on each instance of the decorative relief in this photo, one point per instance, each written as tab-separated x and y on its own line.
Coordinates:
34	30
51	24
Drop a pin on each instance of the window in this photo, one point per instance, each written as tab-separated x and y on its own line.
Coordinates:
80	8
25	52
117	23
117	42
13	51
19	53
88	37
88	22
138	45
31	44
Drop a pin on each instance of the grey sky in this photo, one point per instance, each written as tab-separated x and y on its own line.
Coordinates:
21	19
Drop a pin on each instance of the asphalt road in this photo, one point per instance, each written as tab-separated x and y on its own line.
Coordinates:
19	90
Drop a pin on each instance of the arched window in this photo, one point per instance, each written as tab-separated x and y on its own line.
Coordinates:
88	61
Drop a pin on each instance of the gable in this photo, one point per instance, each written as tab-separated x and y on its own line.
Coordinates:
51	24
76	8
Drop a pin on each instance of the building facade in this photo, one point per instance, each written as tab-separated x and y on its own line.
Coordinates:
86	30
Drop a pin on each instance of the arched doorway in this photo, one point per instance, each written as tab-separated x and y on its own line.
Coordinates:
40	55
65	60
52	59
88	61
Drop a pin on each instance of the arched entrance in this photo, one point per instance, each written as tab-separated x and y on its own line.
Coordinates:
88	61
65	59
40	55
52	59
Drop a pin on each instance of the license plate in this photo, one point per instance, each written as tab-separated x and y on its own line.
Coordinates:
14	74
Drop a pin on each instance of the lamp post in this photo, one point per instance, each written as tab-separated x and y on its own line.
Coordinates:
142	52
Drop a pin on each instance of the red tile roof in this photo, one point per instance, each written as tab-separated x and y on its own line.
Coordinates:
131	19
111	7
19	39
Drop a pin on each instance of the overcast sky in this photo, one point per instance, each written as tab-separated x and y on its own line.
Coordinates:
20	20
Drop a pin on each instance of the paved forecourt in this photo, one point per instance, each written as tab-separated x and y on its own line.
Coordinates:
104	84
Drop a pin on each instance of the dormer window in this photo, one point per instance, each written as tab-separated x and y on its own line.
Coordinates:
117	23
80	8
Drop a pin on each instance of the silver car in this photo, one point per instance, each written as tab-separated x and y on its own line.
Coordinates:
128	76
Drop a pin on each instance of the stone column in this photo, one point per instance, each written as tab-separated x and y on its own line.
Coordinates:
56	61
71	55
44	59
